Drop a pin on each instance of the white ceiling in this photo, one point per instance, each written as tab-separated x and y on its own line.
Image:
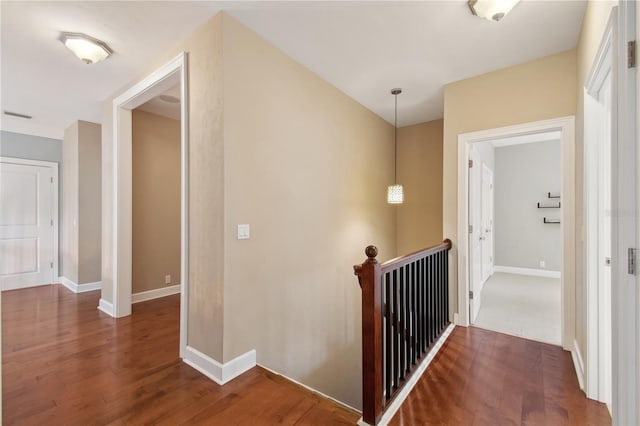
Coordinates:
362	48
160	107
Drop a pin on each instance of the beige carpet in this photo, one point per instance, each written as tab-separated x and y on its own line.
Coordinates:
523	306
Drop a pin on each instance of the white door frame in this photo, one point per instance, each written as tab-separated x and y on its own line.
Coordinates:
625	198
567	134
598	308
54	203
175	71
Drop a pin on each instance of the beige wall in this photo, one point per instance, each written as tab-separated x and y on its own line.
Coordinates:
307	167
419	221
89	202
156	201
593	26
81	204
538	90
206	203
69	208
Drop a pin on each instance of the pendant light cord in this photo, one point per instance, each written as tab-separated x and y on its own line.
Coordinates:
395	142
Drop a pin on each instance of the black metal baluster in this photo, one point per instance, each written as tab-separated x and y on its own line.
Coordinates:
407	320
387	334
394	324
414	313
403	325
446	286
439	309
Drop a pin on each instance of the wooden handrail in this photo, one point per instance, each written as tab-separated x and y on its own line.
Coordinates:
404	306
400	261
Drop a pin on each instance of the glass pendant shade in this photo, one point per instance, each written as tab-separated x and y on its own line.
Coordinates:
395	194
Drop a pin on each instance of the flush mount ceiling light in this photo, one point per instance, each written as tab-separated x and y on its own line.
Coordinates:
395	192
493	10
90	50
169	99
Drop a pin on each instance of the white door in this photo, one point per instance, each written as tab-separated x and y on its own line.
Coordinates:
598	238
604	241
475	235
487	222
27	237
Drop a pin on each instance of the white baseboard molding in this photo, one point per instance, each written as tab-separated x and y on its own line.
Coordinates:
79	288
578	364
106	307
155	294
399	399
527	271
324	395
219	373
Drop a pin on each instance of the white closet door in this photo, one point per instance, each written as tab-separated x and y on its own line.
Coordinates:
26	225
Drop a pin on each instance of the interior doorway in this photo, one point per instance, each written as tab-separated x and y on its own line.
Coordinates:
515	257
564	127
156	197
159	82
28	223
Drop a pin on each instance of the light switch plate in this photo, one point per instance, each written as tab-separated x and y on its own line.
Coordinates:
244	231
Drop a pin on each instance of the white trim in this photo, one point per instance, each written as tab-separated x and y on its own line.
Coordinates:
625	197
415	377
157	82
566	125
79	288
155	293
578	363
527	271
54	205
106	307
219	373
309	388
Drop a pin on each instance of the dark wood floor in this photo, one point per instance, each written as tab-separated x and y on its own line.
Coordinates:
66	363
485	378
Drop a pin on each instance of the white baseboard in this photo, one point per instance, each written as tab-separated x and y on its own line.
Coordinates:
578	363
527	271
155	294
404	393
79	288
106	307
219	373
324	395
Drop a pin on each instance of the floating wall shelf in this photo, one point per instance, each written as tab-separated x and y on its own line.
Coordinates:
549	206
545	220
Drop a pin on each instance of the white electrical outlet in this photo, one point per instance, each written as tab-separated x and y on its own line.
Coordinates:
167	279
542	263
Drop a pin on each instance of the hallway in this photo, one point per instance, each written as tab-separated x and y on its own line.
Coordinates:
67	363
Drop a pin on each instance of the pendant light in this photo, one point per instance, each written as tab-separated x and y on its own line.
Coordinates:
395	192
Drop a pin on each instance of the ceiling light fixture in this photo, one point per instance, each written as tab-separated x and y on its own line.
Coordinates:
395	192
90	50
493	10
169	99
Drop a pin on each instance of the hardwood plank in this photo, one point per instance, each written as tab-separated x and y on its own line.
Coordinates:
67	363
480	377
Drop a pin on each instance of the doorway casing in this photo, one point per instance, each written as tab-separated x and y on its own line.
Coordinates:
565	125
172	73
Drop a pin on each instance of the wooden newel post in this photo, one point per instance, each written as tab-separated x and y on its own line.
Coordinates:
369	277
